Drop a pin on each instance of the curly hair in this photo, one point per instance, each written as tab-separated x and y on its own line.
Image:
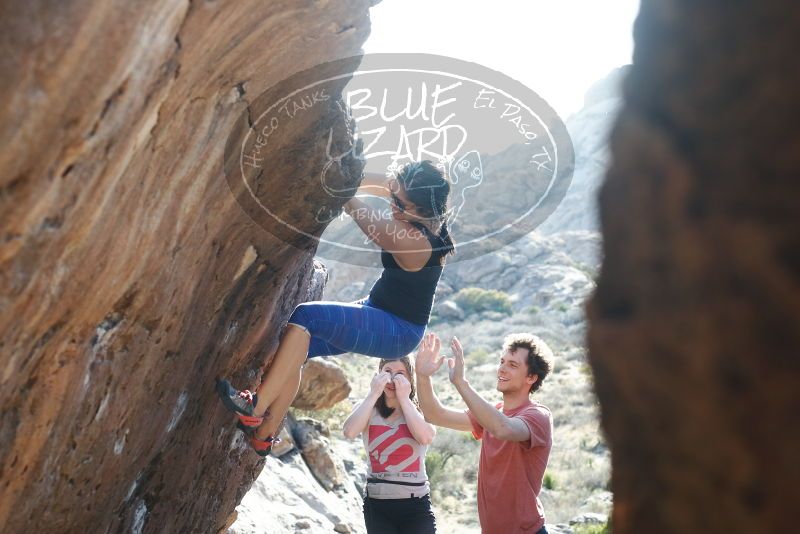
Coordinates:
540	357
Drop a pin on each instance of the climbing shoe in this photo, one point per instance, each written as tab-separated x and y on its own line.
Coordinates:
262	446
242	403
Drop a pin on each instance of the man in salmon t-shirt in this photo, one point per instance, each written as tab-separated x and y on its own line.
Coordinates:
516	434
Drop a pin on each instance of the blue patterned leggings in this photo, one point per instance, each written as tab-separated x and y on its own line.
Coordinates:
339	327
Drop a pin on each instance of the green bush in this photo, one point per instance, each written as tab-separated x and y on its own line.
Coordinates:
475	300
592	529
332	417
549	481
435	462
479	356
451	464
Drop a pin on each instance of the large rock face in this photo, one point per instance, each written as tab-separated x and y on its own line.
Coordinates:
695	325
130	275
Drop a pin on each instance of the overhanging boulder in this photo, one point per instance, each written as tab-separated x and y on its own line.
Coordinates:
130	275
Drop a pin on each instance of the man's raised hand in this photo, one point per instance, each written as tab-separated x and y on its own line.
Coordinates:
428	359
456	363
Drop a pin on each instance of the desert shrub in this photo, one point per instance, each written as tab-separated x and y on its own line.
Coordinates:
479	356
475	300
332	417
549	481
451	461
605	528
436	461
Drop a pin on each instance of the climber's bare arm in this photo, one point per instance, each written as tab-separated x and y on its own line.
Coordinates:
409	246
375	184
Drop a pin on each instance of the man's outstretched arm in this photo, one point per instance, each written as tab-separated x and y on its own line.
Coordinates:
489	417
428	362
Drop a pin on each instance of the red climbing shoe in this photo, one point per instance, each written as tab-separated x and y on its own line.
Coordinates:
242	403
262	446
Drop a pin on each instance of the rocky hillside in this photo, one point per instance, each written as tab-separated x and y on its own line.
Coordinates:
589	130
129	275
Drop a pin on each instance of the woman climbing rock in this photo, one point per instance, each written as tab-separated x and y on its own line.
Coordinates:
389	323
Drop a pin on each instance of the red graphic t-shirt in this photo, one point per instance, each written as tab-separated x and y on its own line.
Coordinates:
396	461
510	473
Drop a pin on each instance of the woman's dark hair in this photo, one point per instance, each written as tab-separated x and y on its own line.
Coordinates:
428	188
380	404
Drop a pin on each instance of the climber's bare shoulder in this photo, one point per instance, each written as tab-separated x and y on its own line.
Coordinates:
409	246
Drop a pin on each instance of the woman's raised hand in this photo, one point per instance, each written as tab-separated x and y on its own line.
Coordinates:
402	386
379	381
428	358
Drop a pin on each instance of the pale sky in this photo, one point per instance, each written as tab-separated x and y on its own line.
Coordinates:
558	48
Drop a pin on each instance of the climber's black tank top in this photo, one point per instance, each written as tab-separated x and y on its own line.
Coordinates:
409	295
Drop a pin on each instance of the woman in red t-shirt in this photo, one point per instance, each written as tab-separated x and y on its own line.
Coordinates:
396	438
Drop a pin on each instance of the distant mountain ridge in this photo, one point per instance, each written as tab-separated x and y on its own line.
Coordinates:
589	129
